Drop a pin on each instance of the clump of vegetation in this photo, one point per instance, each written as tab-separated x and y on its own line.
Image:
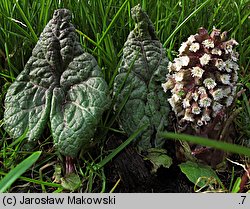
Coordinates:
103	27
60	83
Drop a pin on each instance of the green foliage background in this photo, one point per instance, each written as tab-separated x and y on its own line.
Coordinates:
103	26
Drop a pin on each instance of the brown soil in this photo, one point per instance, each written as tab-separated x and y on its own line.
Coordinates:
135	174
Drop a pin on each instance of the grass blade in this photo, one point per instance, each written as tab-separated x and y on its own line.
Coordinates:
39	182
15	173
112	22
236	186
121	147
27	22
234	148
184	21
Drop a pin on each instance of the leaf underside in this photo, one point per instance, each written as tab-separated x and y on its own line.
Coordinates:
143	69
60	83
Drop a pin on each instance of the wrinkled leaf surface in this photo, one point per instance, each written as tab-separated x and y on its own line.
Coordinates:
61	84
143	68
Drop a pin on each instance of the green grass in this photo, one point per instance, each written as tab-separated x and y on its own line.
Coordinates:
103	26
18	171
227	147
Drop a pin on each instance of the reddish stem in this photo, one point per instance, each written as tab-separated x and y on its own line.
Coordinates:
69	165
244	180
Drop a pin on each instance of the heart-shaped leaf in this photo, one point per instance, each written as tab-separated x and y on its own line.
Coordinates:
61	84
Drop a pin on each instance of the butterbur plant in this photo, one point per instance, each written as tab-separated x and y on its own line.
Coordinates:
141	73
202	81
60	84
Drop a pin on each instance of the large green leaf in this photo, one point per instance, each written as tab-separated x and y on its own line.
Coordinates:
61	84
15	173
143	68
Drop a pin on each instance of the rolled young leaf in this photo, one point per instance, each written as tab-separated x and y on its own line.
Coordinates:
144	65
60	83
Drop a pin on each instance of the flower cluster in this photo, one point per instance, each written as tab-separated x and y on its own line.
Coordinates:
203	78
